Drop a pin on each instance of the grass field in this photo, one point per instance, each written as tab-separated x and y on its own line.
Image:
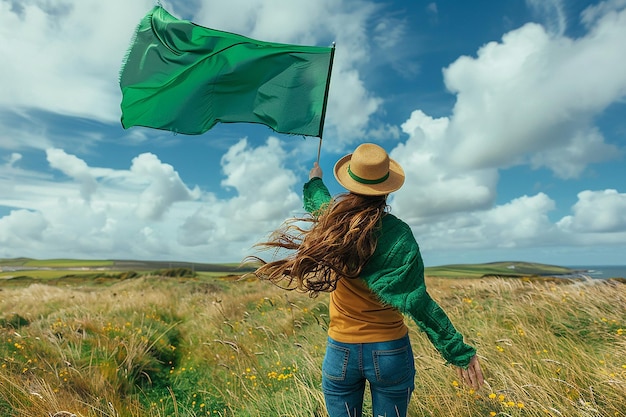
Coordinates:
150	345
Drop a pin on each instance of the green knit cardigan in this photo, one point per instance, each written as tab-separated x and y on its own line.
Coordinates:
395	273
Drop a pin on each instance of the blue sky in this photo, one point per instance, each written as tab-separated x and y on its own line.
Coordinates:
508	118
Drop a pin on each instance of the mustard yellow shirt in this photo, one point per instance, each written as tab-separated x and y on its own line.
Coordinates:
357	316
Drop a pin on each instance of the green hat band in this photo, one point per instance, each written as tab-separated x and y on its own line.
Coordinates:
366	181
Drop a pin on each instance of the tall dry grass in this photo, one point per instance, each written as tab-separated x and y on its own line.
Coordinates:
206	347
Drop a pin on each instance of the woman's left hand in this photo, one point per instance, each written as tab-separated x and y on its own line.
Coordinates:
473	375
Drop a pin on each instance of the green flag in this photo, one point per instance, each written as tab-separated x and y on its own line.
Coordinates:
186	78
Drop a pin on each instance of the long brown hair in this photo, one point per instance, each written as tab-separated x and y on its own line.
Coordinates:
341	239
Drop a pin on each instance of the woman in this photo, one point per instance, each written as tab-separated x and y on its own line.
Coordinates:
370	263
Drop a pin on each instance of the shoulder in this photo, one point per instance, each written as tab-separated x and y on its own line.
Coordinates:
396	264
395	230
391	221
396	244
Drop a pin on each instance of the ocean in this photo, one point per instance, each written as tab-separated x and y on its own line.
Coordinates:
601	271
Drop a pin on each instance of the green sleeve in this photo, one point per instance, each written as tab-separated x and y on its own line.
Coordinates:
315	195
398	279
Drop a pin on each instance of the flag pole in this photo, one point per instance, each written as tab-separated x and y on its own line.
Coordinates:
330	69
319	150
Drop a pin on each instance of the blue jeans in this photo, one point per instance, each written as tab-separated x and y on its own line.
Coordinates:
388	366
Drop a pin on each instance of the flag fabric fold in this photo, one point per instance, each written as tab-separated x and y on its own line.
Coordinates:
185	78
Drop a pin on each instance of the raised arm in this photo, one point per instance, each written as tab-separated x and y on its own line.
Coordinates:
315	193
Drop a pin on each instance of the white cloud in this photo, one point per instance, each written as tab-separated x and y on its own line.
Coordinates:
66	58
21	227
147	211
295	21
350	94
433	186
585	147
552	13
164	186
201	227
264	198
246	169
13	158
75	168
597	212
599	11
389	32
158	185
20	131
524	219
264	186
518	224
534	94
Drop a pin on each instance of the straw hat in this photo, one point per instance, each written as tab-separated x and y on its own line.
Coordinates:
369	171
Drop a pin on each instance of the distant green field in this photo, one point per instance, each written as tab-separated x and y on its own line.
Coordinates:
55	263
44	274
73	269
497	268
22	272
